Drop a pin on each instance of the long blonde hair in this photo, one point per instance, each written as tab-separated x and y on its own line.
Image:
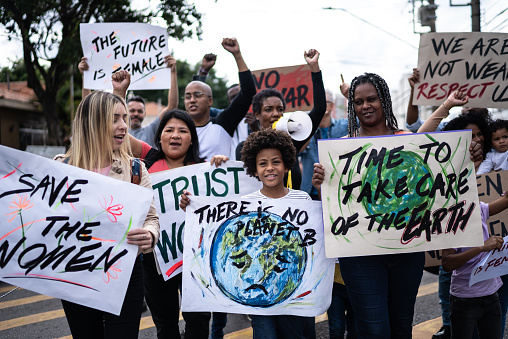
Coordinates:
92	132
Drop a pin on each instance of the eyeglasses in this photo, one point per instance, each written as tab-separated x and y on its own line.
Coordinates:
196	95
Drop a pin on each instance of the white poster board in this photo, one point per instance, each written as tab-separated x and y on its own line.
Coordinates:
474	63
230	179
135	47
263	257
399	194
493	265
63	230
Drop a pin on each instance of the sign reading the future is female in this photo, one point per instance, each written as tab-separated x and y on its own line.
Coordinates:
63	230
135	47
399	194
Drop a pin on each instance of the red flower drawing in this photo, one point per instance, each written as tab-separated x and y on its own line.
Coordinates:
112	210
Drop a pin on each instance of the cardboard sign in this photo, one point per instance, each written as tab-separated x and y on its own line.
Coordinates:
203	179
490	187
63	230
474	63
262	257
137	48
294	82
399	194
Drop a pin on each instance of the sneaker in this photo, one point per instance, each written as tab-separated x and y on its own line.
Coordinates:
443	333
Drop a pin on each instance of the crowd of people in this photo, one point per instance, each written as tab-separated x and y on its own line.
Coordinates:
373	296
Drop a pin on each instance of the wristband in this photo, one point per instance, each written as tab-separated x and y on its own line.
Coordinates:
202	70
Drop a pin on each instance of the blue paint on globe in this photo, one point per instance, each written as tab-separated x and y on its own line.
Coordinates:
257	259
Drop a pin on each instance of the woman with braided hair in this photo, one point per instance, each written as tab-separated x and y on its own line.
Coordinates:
382	288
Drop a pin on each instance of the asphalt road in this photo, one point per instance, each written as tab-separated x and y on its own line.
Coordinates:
25	315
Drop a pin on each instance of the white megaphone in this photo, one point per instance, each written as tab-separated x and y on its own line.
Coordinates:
297	124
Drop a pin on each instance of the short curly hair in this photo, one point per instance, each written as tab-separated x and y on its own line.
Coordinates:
261	96
265	139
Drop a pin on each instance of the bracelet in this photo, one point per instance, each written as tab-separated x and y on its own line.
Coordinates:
202	70
448	109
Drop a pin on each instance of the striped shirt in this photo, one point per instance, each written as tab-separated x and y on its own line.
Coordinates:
292	194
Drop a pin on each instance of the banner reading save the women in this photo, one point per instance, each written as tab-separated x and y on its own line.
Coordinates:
399	194
203	179
63	230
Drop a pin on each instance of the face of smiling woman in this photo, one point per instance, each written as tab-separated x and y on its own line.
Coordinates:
368	106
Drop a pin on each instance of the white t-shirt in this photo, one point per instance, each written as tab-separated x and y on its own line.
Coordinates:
213	140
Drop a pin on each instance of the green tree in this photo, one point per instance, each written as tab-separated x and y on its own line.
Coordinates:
49	32
184	75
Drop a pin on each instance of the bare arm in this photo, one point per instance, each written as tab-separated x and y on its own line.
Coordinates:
455	99
499	205
173	91
412	110
232	46
121	81
453	260
83	66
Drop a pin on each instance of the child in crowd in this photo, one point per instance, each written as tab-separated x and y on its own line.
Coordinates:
268	155
497	159
476	305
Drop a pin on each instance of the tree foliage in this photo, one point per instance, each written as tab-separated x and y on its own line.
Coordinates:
184	74
49	32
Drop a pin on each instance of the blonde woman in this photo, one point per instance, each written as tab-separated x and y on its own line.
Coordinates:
99	144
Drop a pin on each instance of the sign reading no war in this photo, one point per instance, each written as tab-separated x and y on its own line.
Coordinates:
294	82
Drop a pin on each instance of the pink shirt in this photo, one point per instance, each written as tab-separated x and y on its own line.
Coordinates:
159	165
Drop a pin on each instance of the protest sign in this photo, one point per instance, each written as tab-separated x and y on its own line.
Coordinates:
294	82
494	264
203	179
135	47
63	230
474	63
399	194
262	257
490	187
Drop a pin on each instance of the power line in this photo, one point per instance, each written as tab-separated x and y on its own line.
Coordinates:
367	22
502	22
498	14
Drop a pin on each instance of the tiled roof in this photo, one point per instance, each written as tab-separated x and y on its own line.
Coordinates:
18	91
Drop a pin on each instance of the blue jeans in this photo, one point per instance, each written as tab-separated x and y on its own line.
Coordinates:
485	312
444	294
382	290
283	327
219	321
340	314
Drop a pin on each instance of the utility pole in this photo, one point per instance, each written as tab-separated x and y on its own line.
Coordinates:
475	16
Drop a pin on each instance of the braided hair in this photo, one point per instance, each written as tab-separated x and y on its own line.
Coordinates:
384	96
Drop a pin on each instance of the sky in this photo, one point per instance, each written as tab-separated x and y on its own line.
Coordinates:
360	36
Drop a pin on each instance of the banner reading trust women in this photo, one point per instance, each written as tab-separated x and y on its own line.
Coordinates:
203	179
252	256
63	230
475	63
399	194
135	47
